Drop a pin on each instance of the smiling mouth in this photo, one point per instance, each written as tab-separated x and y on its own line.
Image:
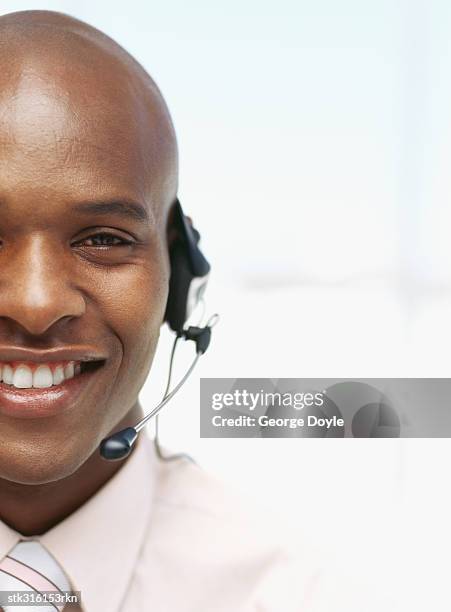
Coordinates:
41	375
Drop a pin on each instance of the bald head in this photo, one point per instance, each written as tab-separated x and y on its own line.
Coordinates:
68	88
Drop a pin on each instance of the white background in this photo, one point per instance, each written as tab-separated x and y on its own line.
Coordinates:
315	143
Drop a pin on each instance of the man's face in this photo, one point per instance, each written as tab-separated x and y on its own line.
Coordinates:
81	264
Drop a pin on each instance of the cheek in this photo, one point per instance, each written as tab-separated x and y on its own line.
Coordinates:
135	314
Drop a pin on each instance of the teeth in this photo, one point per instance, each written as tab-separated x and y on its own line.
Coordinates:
58	375
42	377
39	376
7	374
23	377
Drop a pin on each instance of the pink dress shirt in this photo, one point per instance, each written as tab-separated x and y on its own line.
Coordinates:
166	537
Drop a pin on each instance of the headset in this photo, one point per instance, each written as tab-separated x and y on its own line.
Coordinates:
187	283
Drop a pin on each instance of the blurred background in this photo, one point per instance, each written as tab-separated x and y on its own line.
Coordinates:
315	143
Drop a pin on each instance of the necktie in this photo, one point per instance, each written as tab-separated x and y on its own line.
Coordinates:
30	569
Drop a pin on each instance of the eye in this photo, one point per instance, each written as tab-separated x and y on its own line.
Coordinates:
102	239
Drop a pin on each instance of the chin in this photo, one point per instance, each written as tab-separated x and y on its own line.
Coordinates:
43	462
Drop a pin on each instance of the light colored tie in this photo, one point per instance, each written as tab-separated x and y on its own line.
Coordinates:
30	568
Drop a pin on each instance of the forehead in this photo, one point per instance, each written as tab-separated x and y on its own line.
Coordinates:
75	130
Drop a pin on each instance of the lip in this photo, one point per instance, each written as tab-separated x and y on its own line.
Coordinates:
66	353
39	403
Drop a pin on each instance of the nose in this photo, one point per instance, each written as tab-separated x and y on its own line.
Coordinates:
35	287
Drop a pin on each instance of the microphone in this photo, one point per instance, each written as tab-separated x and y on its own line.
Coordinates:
119	445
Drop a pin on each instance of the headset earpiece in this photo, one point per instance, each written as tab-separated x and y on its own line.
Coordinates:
189	272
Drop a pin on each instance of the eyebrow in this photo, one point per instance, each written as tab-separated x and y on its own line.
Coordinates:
124	208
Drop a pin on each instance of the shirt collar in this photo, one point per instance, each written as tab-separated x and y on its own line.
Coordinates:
98	544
